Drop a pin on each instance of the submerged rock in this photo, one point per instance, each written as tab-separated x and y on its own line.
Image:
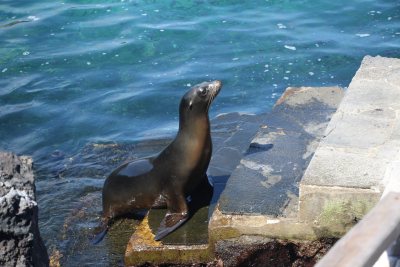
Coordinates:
20	241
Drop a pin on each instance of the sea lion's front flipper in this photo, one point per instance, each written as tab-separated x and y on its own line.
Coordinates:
177	214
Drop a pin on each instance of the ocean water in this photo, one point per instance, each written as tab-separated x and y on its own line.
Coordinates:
79	72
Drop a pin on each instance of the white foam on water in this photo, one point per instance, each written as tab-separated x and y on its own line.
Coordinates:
281	26
363	34
290	47
33	18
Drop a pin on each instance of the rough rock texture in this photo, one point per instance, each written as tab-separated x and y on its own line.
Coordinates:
260	251
20	242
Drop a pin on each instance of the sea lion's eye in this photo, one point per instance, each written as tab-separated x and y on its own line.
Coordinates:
203	91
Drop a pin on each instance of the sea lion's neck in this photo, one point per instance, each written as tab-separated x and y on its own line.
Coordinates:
195	143
194	124
196	128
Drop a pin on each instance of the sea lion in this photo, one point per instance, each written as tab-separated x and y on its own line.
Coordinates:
170	178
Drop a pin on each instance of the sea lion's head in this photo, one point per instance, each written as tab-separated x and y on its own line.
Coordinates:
199	98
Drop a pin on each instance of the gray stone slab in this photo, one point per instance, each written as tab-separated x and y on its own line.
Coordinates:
364	130
368	95
266	180
362	137
334	167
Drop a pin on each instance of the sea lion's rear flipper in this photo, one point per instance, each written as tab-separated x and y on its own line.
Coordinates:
177	214
100	231
170	222
98	237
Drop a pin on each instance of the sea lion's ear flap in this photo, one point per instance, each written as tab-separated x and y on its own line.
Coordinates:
190	105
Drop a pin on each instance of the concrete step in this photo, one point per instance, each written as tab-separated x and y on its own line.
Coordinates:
261	196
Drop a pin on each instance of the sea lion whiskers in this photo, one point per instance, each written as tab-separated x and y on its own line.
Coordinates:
215	86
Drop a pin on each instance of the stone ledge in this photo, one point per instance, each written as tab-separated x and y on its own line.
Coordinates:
223	226
354	162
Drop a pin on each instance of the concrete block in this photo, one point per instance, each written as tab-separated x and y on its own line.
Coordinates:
365	130
142	249
377	68
367	95
344	168
334	210
355	160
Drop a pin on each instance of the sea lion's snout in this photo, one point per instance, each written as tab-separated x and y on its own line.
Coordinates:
215	87
217	84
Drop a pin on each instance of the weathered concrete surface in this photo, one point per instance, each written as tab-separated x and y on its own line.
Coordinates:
232	135
261	196
142	248
280	152
356	159
20	241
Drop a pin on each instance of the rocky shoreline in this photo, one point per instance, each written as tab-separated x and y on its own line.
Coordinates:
21	244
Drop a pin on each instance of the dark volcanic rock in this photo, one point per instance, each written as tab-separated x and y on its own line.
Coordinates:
257	251
20	242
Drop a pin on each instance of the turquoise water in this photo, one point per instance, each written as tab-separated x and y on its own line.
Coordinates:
79	72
